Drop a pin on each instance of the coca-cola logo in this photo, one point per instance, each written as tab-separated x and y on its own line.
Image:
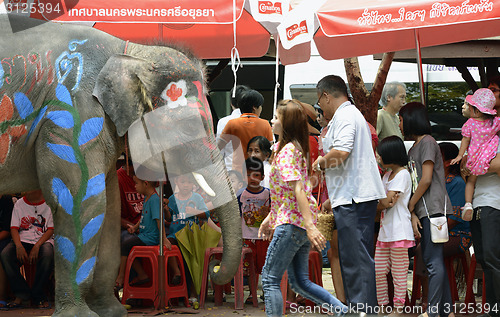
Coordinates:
295	30
267	7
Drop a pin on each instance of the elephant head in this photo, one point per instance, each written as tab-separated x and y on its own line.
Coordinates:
157	96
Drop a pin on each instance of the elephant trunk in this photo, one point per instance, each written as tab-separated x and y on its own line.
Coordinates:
230	222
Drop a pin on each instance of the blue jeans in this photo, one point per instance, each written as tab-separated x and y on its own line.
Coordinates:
289	250
44	266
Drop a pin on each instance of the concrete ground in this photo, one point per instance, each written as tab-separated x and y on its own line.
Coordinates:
227	309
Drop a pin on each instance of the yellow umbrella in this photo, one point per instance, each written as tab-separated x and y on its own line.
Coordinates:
193	240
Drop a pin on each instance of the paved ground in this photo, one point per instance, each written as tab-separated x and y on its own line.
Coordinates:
210	310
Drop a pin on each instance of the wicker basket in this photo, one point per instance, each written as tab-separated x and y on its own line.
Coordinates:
326	224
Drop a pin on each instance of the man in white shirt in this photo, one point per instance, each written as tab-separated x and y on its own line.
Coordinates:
227	151
354	186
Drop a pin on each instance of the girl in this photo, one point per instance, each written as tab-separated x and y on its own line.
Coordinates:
292	216
426	155
480	139
260	147
396	234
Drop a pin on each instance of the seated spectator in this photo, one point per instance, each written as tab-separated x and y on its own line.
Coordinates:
240	130
131	200
184	208
32	230
6	206
145	232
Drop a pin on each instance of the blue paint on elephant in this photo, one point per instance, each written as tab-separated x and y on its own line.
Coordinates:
90	130
23	104
63	95
66	247
95	186
92	228
1	76
66	61
63	195
64	152
85	269
62	118
39	117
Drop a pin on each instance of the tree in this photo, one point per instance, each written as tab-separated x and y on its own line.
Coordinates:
367	102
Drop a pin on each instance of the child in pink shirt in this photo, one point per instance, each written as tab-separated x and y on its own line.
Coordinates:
480	139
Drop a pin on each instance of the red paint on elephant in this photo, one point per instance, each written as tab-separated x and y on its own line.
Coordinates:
11	133
174	93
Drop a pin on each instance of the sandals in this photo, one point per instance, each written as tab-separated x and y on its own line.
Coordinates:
43	305
14	305
467	212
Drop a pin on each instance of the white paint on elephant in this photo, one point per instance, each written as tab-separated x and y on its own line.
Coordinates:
203	184
175	94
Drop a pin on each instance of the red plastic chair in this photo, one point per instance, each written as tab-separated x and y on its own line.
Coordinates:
150	291
238	279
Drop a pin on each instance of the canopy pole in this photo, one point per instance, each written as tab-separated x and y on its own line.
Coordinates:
419	65
161	257
276	73
235	55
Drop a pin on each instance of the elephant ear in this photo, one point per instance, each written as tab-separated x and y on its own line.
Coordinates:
122	88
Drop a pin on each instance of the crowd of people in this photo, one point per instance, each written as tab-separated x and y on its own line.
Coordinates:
323	160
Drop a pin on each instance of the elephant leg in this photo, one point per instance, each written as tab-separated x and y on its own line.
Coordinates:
75	191
101	299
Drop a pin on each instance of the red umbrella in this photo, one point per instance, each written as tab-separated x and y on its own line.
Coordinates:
205	27
363	27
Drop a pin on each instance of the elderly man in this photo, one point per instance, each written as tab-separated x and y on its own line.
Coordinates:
354	187
393	98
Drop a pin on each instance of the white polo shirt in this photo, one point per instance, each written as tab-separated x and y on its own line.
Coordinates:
357	178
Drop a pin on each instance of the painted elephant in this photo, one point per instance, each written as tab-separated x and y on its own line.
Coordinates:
69	94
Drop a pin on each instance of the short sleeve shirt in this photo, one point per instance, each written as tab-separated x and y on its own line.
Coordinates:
395	222
178	211
148	228
387	125
240	131
254	208
131	200
32	220
428	150
289	165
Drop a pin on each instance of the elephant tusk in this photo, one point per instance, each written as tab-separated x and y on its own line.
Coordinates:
203	184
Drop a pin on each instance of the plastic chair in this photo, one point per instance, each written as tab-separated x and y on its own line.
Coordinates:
238	279
150	291
448	262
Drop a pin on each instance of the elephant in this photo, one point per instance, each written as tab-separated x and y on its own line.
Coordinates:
69	94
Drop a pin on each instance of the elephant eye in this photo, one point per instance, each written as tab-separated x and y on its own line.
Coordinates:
175	94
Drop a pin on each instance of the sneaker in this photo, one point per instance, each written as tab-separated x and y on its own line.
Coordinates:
193	301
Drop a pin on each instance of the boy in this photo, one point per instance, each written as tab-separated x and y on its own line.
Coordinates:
254	205
184	208
32	230
148	229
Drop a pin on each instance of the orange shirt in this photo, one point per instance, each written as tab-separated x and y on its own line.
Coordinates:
240	131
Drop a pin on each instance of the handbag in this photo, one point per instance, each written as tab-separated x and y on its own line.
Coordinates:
439	226
326	221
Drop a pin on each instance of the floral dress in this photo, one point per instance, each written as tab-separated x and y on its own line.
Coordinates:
289	165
